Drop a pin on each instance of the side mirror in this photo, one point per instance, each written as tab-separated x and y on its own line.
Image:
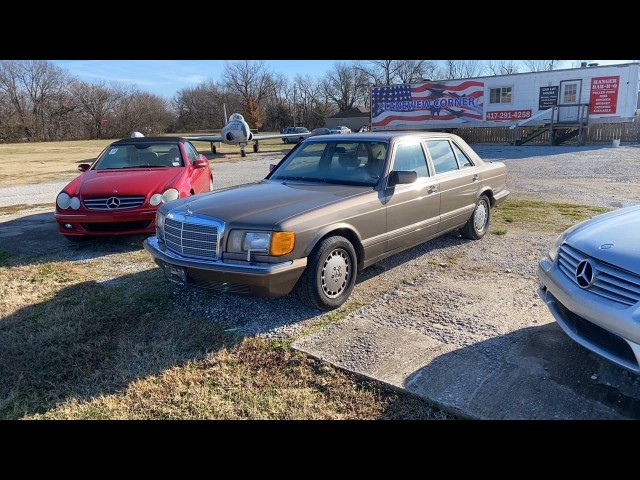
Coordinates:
83	167
272	166
401	177
200	163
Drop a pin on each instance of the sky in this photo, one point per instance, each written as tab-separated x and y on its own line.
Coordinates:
166	77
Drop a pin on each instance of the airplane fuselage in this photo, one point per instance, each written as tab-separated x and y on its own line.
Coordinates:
236	131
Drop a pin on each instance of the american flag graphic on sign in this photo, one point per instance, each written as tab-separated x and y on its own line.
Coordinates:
450	102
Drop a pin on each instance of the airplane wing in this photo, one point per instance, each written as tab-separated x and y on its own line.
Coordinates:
281	135
205	138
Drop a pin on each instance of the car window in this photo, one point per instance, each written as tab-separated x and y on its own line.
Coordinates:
357	163
444	160
463	160
139	155
410	156
192	153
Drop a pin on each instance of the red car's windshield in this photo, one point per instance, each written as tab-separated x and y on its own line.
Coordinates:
140	155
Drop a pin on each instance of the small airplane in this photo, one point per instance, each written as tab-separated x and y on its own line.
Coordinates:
236	131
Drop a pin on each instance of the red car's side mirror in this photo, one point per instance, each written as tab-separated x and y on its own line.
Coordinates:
83	167
200	163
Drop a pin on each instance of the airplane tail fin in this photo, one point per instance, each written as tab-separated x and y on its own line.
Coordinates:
224	106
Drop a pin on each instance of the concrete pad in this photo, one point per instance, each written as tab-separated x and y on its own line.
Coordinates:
532	373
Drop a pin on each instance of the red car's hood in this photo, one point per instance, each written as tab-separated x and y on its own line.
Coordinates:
98	183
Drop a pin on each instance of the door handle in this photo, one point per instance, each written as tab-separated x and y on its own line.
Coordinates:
432	189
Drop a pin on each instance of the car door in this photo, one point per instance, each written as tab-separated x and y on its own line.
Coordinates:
198	177
459	181
413	210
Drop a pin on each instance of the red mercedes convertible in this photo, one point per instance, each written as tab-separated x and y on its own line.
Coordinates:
120	192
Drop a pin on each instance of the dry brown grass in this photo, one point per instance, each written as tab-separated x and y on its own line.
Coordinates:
28	163
82	340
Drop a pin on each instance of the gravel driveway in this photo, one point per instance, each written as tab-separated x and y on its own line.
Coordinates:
476	300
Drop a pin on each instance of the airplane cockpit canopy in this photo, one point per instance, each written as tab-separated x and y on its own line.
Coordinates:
235	117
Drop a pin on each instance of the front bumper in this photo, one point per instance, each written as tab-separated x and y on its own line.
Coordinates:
260	280
600	325
98	223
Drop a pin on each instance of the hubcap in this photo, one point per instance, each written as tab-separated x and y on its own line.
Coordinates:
335	273
480	217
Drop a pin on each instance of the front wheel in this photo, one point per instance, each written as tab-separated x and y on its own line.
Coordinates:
285	140
478	224
330	275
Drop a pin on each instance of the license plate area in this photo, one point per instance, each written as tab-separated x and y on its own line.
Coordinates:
175	274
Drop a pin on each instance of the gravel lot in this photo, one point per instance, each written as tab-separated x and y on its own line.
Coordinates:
452	290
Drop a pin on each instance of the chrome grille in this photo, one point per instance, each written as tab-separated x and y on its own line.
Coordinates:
197	240
106	203
617	284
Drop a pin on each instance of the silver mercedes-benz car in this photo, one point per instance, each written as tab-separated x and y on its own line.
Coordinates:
590	280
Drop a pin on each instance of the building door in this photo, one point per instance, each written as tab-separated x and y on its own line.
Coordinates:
570	92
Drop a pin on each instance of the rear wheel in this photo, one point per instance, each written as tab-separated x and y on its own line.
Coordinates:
330	275
478	224
210	183
285	140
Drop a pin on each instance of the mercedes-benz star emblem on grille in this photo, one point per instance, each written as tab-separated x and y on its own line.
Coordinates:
113	202
584	274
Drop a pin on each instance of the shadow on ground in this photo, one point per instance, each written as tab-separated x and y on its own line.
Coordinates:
532	373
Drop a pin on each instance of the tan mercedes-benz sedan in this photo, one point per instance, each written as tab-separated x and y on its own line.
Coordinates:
334	205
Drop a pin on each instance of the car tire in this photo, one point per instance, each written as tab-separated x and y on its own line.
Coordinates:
478	224
210	184
330	275
285	140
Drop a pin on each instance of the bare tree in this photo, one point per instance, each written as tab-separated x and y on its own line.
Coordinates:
31	89
141	111
200	107
389	72
346	86
454	69
502	67
253	82
97	102
542	65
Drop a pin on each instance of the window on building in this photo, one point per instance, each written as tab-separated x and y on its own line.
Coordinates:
500	95
570	93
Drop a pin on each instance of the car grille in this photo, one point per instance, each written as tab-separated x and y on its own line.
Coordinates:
113	203
621	286
196	240
606	340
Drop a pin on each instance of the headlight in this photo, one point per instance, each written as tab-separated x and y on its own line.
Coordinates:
63	200
167	196
273	243
160	221
553	251
74	203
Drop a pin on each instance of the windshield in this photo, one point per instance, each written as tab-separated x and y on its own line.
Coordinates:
140	155
344	162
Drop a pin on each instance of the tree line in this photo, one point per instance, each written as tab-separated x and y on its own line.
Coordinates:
39	101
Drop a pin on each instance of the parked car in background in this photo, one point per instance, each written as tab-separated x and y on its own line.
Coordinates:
333	206
290	130
120	192
320	131
340	129
590	281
